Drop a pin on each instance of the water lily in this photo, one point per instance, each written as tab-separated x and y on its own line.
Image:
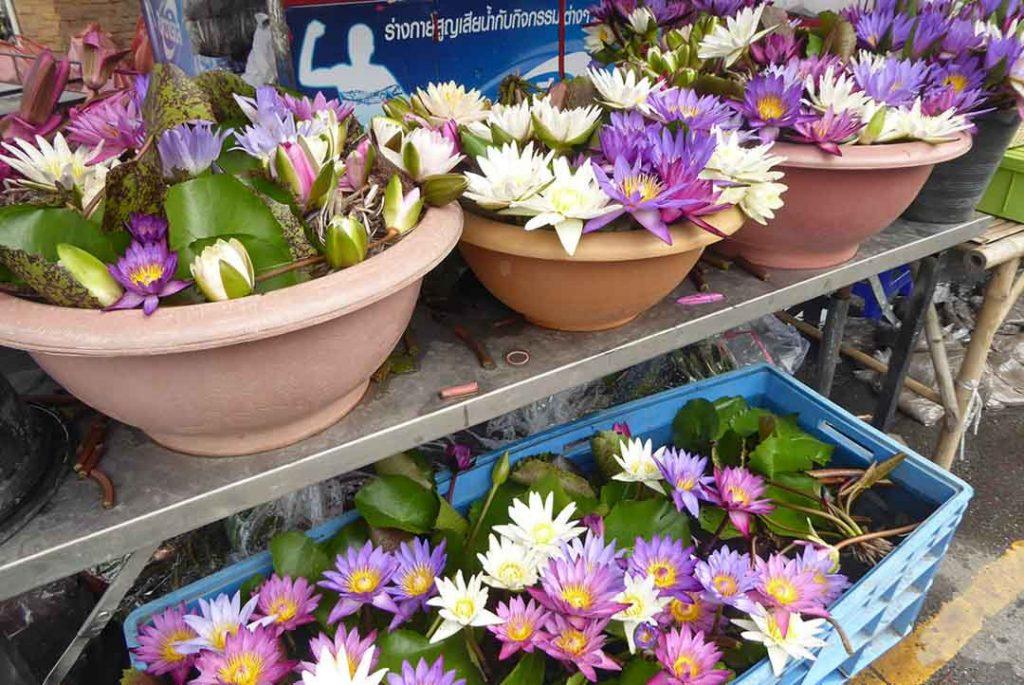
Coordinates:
522	627
622	88
425	674
688	659
111	125
828	130
460	605
771	102
536	526
146	271
158	645
218	620
414	580
337	667
360	576
224	271
189	149
508	174
248	658
639	464
508	565
562	129
700	112
449	101
913	124
423	152
727	577
750	180
684	474
643	603
578	589
401	210
514	121
54	167
578	645
738	491
285	604
727	41
836	90
346	646
796	642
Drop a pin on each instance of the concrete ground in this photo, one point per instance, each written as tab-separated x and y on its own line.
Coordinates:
970	630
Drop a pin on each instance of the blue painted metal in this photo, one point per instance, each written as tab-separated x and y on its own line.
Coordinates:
875	613
895	282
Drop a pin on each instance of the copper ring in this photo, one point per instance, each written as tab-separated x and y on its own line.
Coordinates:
517	358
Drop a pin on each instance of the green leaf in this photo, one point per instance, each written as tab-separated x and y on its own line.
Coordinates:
38	231
135	186
204	209
710	518
605	445
6	276
788	453
411	464
613	492
172	99
298	556
729	449
695	426
496	515
405	645
220	86
639	672
785	521
748	422
632	519
250	586
354	534
449	520
728	408
398	502
529	671
533	471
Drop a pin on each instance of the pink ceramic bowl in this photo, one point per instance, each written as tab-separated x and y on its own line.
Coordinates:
242	376
835	202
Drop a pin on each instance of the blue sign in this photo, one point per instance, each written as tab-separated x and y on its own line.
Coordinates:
368	52
170	38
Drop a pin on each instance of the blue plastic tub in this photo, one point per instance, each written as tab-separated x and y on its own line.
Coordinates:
875	613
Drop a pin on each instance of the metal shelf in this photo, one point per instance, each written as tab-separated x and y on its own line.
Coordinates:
162	494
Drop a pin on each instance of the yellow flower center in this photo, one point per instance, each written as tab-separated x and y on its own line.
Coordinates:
683	612
577	596
782	591
819	578
664	573
685	484
511	573
566	200
958	81
519	629
168	651
464	609
738	495
725	584
685	666
644	185
363	580
770	107
221	633
774	631
242	669
284	608
418	581
572	641
636	605
543	533
147	273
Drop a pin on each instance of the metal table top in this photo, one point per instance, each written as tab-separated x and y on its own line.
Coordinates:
162	494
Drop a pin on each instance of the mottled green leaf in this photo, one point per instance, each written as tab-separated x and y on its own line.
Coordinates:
39	230
172	99
48	279
135	186
220	86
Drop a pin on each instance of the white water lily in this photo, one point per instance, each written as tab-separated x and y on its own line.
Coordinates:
563	128
838	91
571	198
728	41
621	88
596	37
461	605
799	639
508	175
336	670
750	171
641	20
224	271
53	166
386	130
515	121
637	461
644	603
912	124
423	152
535	525
449	101
508	565
217	620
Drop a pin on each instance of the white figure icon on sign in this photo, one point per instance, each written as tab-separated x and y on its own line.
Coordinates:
358	82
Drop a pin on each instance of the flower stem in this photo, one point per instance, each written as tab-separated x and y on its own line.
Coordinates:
483	514
706	547
299	264
475	653
451	487
902	530
718	619
842	525
433	628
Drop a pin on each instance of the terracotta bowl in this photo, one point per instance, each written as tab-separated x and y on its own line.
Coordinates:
834	203
242	376
612	278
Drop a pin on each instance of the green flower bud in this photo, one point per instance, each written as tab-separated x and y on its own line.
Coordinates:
345	242
499	474
90	273
224	271
441	189
401	212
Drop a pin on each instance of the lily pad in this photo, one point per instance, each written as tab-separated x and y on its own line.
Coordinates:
135	186
49	279
394	501
220	87
405	645
298	556
172	99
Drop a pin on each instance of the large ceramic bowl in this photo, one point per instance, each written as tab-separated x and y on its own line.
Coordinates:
612	278
242	376
836	202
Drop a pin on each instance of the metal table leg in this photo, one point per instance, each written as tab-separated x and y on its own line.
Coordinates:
913	321
832	338
101	613
13	669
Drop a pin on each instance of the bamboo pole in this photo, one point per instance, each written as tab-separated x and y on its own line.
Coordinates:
940	361
861	357
994	308
985	257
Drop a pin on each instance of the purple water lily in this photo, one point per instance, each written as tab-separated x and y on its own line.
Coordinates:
254	657
425	674
147	228
637	192
960	38
360	577
688	659
646	635
701	112
678	159
594	551
625	137
190	149
458	457
828	129
305	108
882	29
722	8
786	586
776	48
146	271
891	81
669	562
928	33
578	645
771	103
579	590
684	473
821	564
286	604
413	580
114	122
727	577
522	628
1001	54
272	129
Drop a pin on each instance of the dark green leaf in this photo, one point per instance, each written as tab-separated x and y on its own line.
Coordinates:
728	408
729	449
710	518
785	521
398	502
405	645
613	492
531	472
38	231
411	464
789	454
638	672
6	276
632	519
298	556
172	99
605	445
695	426
529	671
250	587
135	186
354	534
748	422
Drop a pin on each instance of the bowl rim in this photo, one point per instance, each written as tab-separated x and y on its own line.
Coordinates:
871	157
51	329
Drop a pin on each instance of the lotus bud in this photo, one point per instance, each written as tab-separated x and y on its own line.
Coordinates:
344	242
223	271
44	84
472	144
90	273
299	167
358	165
501	470
397	108
99	57
401	212
441	189
387	132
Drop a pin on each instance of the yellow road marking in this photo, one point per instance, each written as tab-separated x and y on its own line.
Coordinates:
922	653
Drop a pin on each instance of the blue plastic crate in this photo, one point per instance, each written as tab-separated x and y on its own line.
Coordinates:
875	613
